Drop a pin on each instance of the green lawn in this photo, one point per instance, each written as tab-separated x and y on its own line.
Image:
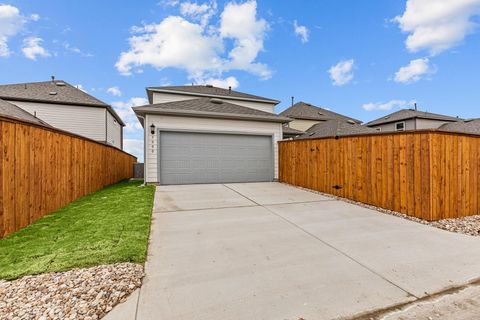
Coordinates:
108	226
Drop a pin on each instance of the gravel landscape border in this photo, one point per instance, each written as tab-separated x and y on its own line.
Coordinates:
84	294
467	225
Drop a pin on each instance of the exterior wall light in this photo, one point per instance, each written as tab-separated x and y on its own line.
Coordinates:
152	129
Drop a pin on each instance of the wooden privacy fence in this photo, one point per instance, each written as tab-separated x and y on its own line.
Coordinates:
430	175
44	169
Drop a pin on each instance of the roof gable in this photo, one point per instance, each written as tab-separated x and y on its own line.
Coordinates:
406	114
307	111
209	91
57	92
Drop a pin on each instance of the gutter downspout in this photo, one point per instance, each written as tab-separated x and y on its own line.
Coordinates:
144	150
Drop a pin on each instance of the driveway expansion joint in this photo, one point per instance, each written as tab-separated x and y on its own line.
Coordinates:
409	294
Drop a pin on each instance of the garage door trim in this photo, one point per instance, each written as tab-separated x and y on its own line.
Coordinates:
160	130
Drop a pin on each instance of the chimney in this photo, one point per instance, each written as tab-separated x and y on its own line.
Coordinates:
53	78
229	89
293	100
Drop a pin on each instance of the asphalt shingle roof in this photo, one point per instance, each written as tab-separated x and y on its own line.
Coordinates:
211	91
58	91
306	111
209	107
10	110
405	114
466	126
334	128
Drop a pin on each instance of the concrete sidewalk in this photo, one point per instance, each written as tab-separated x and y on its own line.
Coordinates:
271	251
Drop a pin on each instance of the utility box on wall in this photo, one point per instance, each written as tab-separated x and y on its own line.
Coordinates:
138	170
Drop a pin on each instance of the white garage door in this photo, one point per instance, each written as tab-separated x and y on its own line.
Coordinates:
191	157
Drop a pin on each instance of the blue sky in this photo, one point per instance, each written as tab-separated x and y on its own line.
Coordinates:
360	58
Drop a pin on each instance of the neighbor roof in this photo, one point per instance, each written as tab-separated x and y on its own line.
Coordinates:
334	128
290	131
208	108
58	92
307	111
208	91
12	111
406	114
466	126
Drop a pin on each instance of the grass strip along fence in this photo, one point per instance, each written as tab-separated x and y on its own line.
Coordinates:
427	174
44	169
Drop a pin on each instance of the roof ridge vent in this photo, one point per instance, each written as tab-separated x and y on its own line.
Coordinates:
60	83
208	86
351	121
52	93
468	120
216	100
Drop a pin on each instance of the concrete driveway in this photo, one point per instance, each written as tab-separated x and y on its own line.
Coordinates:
271	251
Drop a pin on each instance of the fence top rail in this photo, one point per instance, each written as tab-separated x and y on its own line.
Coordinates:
4	118
374	134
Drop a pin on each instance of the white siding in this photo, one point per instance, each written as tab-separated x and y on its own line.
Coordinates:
85	121
302	125
202	124
430	124
412	124
114	131
160	97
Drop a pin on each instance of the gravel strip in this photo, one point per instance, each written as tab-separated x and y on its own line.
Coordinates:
76	294
467	225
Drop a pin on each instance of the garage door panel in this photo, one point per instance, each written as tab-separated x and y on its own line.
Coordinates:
188	157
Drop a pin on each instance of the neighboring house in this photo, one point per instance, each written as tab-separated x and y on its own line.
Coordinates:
12	111
290	133
204	134
335	128
410	119
305	115
67	108
471	126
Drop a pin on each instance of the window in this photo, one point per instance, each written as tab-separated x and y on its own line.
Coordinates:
400	126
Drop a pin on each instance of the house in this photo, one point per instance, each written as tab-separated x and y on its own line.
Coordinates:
410	119
68	108
12	111
206	134
305	115
471	126
335	128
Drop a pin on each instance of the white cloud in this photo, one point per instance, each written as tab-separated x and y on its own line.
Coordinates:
135	147
199	48
34	17
393	104
11	22
222	83
414	71
115	91
437	25
198	12
124	110
32	48
80	87
301	31
342	72
76	50
174	42
239	22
